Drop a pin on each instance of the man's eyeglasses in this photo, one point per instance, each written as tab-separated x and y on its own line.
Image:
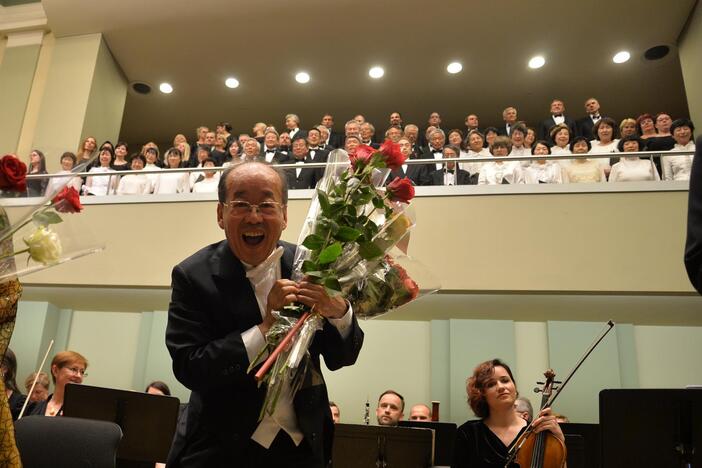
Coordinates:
266	208
77	371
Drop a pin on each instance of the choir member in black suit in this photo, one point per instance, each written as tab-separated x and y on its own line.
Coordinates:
411	132
450	173
368	135
352	128
395	120
417	173
270	144
585	124
317	154
292	126
509	115
433	121
393	134
334	139
472	123
693	246
301	177
437	140
557	117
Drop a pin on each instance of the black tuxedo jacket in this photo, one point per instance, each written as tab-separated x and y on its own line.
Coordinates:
336	139
693	245
546	124
308	176
502	130
212	303
584	127
437	177
300	133
419	174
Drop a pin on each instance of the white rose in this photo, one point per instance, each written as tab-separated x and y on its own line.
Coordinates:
44	246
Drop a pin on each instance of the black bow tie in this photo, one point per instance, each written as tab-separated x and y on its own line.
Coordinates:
270	151
450	171
558	115
436	151
595	116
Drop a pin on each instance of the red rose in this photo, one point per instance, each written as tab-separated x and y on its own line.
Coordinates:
401	190
67	201
13	173
363	154
392	154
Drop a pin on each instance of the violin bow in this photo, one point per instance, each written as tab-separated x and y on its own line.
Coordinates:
36	377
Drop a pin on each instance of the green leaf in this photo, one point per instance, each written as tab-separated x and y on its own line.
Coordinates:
369	251
314	274
323	201
347	234
330	253
313	242
46	217
309	266
333	284
364	198
378	202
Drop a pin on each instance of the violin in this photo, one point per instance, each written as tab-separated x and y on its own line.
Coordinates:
542	450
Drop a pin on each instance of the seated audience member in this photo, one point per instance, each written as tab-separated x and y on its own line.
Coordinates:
678	167
632	168
582	170
390	407
41	389
301	177
209	179
420	412
435	149
490	135
158	388
8	367
153	163
417	173
646	127
36	166
517	136
66	367
542	171
68	162
604	141
450	174
628	127
335	412
476	149
499	171
663	140
523	408
135	184
101	185
173	182
121	151
491	394
393	134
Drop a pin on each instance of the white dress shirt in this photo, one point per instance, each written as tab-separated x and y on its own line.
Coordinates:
206	185
633	170
134	184
598	147
172	182
521	151
262	278
104	185
474	167
492	173
547	173
678	167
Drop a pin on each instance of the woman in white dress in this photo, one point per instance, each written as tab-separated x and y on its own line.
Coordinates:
677	167
543	171
172	182
604	141
68	162
560	136
102	185
517	136
632	168
476	149
583	170
135	184
500	171
210	179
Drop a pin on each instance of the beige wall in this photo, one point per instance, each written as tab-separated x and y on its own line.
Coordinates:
16	76
691	62
3	43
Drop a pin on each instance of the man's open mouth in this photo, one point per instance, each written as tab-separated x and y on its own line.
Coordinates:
253	238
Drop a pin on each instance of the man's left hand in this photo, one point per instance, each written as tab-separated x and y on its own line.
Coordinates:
314	295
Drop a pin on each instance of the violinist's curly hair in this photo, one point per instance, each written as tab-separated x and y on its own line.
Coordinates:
475	386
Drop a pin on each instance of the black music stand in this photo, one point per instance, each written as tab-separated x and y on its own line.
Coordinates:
148	422
583	444
359	446
444	437
651	428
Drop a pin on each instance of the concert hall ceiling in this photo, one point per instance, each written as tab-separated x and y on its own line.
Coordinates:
195	46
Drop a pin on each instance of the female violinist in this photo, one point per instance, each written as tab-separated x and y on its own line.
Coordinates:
491	395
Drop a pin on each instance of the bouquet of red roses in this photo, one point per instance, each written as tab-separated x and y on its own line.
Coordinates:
352	224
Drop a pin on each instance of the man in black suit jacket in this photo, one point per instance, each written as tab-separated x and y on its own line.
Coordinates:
585	124
336	139
292	126
435	150
693	245
317	154
509	115
219	313
557	117
450	173
301	177
417	173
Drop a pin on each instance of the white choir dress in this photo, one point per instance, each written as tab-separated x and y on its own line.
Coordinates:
152	177
474	167
70	181
584	171
523	151
677	167
104	185
598	147
172	182
558	151
549	172
495	172
134	184
206	185
633	170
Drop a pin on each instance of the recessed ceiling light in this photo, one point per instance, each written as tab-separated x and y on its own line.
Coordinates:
376	72
537	62
165	88
302	77
231	82
621	57
454	67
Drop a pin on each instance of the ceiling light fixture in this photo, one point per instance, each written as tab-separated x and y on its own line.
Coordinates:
302	77
376	72
231	82
621	57
537	62
454	67
165	88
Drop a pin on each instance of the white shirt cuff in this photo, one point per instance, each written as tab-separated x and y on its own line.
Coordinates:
343	324
254	341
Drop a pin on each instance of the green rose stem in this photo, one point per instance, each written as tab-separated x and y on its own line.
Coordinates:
12	254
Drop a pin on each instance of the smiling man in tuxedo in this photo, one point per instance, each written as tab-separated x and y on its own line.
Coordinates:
557	117
221	308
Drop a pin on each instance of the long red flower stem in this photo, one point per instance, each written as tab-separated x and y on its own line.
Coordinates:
279	349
